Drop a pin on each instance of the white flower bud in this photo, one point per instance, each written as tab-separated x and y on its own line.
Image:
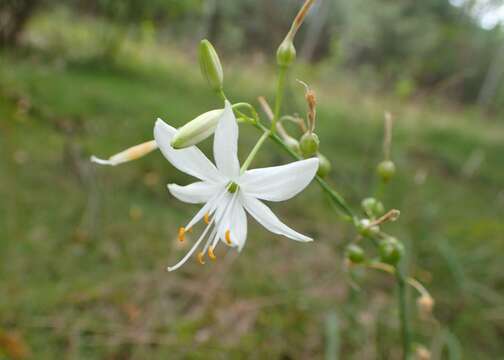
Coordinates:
197	129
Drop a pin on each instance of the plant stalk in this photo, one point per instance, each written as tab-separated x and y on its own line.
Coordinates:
282	74
334	196
403	314
254	151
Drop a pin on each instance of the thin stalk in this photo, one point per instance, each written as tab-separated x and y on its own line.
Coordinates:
282	74
254	151
334	196
221	94
403	315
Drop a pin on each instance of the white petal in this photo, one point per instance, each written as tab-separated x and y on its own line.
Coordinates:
195	193
234	219
226	144
189	160
266	218
279	183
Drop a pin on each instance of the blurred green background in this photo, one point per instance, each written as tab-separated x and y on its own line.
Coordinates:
84	248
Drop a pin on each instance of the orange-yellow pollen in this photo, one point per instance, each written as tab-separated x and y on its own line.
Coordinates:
228	237
200	258
207	218
181	233
211	254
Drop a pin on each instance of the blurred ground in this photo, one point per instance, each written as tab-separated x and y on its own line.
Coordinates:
84	248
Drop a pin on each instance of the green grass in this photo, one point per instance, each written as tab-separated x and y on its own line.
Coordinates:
84	248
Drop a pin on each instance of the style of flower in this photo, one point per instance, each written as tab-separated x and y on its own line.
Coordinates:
228	192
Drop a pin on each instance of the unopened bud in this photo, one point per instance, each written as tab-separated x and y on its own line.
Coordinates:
386	170
365	228
286	53
309	144
324	166
197	129
355	254
391	250
425	304
210	65
372	207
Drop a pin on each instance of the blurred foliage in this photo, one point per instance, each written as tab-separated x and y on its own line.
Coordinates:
410	46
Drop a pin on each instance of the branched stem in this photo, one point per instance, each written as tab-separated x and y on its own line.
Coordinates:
335	197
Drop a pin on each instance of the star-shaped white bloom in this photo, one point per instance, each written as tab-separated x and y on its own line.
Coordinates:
229	193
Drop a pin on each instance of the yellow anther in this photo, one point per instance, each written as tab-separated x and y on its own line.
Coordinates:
181	233
228	237
200	258
211	254
207	218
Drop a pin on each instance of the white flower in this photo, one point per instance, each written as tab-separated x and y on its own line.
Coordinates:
226	192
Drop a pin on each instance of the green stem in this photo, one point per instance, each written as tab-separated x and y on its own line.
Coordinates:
221	93
403	315
282	73
334	196
254	151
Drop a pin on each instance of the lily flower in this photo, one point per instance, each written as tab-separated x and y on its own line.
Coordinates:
229	193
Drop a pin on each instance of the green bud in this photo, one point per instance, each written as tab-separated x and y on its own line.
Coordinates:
309	144
355	254
197	129
391	250
365	228
286	53
386	170
293	144
373	207
324	166
210	65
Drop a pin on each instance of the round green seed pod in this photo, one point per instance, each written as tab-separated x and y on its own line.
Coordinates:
324	166
386	170
391	251
355	254
372	207
309	144
286	53
364	228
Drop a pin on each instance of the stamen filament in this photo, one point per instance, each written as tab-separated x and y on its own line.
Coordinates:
191	252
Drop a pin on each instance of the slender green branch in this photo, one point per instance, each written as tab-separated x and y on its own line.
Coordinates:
282	74
222	95
334	196
403	314
254	151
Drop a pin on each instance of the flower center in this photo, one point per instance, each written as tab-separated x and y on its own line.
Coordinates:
232	187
